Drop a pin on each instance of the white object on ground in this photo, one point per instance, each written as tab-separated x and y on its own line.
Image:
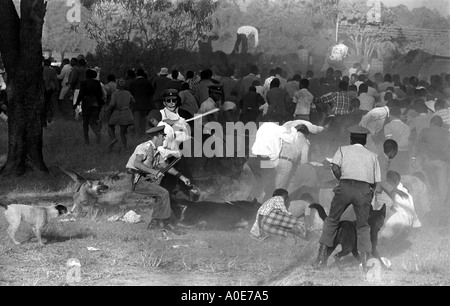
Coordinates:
113	218
73	262
131	217
386	262
68	220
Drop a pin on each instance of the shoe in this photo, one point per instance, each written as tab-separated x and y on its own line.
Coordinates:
322	257
364	258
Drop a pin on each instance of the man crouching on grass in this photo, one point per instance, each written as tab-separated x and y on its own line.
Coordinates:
274	218
146	160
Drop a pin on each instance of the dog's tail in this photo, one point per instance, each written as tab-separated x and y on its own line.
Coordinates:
3	205
320	210
73	175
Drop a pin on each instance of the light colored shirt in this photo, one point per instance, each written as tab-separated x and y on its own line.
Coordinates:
2	83
151	156
297	150
374	119
64	75
249	31
367	101
313	129
373	92
445	115
269	138
267	83
303	99
357	163
283	81
398	131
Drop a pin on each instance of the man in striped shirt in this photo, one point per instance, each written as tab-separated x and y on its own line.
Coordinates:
339	101
443	111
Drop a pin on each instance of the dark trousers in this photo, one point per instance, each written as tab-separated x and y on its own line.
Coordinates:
90	119
241	38
47	112
360	195
264	179
140	122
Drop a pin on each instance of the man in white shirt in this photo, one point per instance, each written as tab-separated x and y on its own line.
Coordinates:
64	77
242	35
303	100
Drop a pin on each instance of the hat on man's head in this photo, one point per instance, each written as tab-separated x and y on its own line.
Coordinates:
358	130
164	71
170	93
155	130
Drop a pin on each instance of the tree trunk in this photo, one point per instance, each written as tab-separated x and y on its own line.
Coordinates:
21	49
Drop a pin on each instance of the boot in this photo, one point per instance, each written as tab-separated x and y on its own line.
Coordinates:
322	257
364	258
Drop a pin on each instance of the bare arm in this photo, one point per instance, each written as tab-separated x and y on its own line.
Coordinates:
139	164
336	171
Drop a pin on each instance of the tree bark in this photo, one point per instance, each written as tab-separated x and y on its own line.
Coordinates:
21	50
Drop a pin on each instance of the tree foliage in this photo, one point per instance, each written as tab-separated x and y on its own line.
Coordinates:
157	24
147	30
364	37
59	35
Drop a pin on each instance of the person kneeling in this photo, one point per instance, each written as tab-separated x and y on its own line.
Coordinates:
273	218
146	160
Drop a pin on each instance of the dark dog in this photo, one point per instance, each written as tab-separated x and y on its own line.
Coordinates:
87	192
346	234
36	216
212	215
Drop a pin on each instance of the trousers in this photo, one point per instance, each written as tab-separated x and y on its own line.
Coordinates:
360	195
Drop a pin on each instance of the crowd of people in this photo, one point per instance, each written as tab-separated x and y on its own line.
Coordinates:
400	129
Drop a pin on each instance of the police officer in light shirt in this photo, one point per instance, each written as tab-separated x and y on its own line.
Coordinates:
358	172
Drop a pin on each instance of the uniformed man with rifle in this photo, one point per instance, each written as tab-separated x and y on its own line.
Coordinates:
146	161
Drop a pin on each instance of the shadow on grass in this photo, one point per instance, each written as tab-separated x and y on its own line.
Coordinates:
52	238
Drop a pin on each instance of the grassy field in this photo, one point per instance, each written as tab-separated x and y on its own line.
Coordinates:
129	254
